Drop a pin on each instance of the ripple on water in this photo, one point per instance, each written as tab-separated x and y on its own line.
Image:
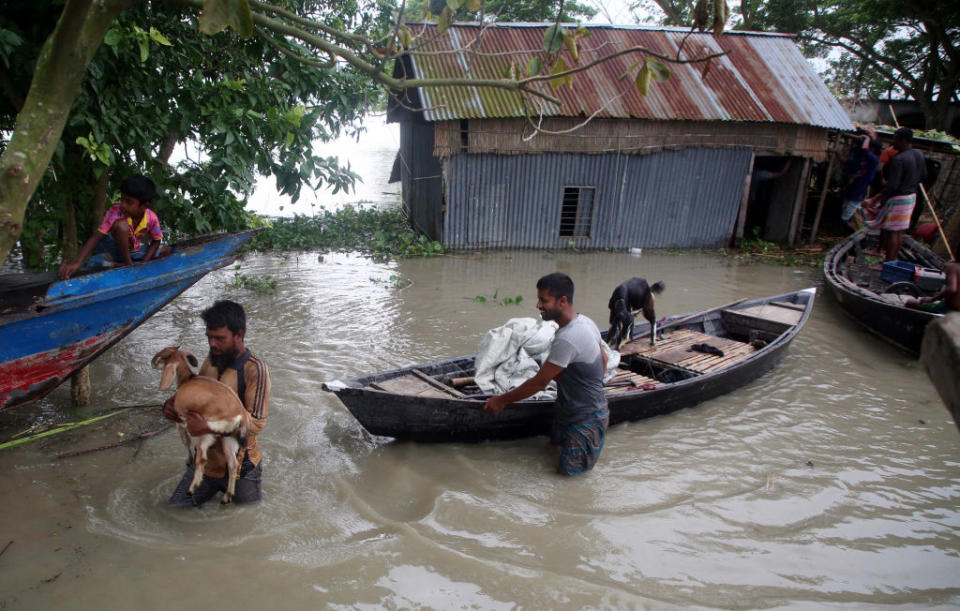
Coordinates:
815	485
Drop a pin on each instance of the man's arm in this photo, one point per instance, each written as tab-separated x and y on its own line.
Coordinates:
950	288
529	388
256	398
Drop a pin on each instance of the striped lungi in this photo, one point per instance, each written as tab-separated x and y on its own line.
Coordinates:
894	216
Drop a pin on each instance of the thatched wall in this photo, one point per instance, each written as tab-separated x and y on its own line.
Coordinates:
638	137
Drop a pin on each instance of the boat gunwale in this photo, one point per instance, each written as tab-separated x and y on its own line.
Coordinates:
834	257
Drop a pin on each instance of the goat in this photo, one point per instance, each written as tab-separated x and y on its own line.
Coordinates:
216	402
628	298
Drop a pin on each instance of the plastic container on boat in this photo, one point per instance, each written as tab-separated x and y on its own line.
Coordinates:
897	271
929	279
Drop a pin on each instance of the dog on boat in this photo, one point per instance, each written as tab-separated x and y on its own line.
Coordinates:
628	299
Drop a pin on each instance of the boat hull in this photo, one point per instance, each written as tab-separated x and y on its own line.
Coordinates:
897	324
434	419
78	319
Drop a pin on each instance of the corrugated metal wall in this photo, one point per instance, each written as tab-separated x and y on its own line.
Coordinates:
421	178
672	199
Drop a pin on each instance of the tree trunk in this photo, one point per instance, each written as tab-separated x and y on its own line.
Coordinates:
68	243
57	77
99	205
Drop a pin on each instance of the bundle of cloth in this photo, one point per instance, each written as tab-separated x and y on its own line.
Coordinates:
510	355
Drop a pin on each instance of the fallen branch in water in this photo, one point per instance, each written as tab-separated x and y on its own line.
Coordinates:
142	435
5	547
17	439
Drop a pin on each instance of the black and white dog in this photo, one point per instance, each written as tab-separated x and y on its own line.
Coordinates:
628	299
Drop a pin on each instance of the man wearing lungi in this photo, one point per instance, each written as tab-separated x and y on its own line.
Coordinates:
894	204
577	361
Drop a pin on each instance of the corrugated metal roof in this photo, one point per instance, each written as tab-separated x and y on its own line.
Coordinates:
762	76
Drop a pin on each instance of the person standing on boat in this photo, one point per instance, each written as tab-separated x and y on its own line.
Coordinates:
120	238
893	206
233	364
859	169
577	361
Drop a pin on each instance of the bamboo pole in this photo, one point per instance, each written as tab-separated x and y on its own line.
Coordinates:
943	236
24	436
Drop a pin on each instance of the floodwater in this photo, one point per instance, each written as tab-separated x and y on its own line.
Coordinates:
833	481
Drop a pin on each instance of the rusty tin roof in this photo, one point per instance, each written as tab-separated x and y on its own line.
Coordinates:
762	76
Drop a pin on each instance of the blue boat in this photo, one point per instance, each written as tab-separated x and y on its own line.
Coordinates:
51	328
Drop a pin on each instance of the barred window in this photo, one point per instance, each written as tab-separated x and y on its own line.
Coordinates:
576	213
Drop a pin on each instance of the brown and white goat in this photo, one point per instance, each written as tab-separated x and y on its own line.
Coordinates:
216	402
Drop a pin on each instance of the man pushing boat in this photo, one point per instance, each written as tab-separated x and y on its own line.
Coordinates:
577	361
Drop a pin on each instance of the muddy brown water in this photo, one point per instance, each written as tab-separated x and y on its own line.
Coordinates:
832	481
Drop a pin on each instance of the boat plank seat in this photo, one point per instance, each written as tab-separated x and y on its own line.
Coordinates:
417	384
678	352
774	317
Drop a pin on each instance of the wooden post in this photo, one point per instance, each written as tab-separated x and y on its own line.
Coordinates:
80	387
823	198
799	203
744	202
80	380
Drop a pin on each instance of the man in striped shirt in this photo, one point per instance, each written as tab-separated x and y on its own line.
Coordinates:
233	364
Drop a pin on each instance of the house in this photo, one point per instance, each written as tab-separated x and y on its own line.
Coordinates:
704	158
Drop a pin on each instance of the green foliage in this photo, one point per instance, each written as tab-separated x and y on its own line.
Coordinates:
263	285
382	233
240	108
503	301
880	46
396	282
756	248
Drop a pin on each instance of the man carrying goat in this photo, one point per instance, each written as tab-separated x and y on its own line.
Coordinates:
231	363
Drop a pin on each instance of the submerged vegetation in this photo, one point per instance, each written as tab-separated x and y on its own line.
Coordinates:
756	248
382	233
261	284
496	298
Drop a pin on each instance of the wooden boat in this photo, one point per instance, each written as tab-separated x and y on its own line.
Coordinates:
864	295
51	328
429	403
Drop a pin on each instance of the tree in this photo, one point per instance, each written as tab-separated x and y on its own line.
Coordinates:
338	40
912	48
239	107
872	47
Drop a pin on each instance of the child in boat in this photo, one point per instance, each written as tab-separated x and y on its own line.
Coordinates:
120	239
